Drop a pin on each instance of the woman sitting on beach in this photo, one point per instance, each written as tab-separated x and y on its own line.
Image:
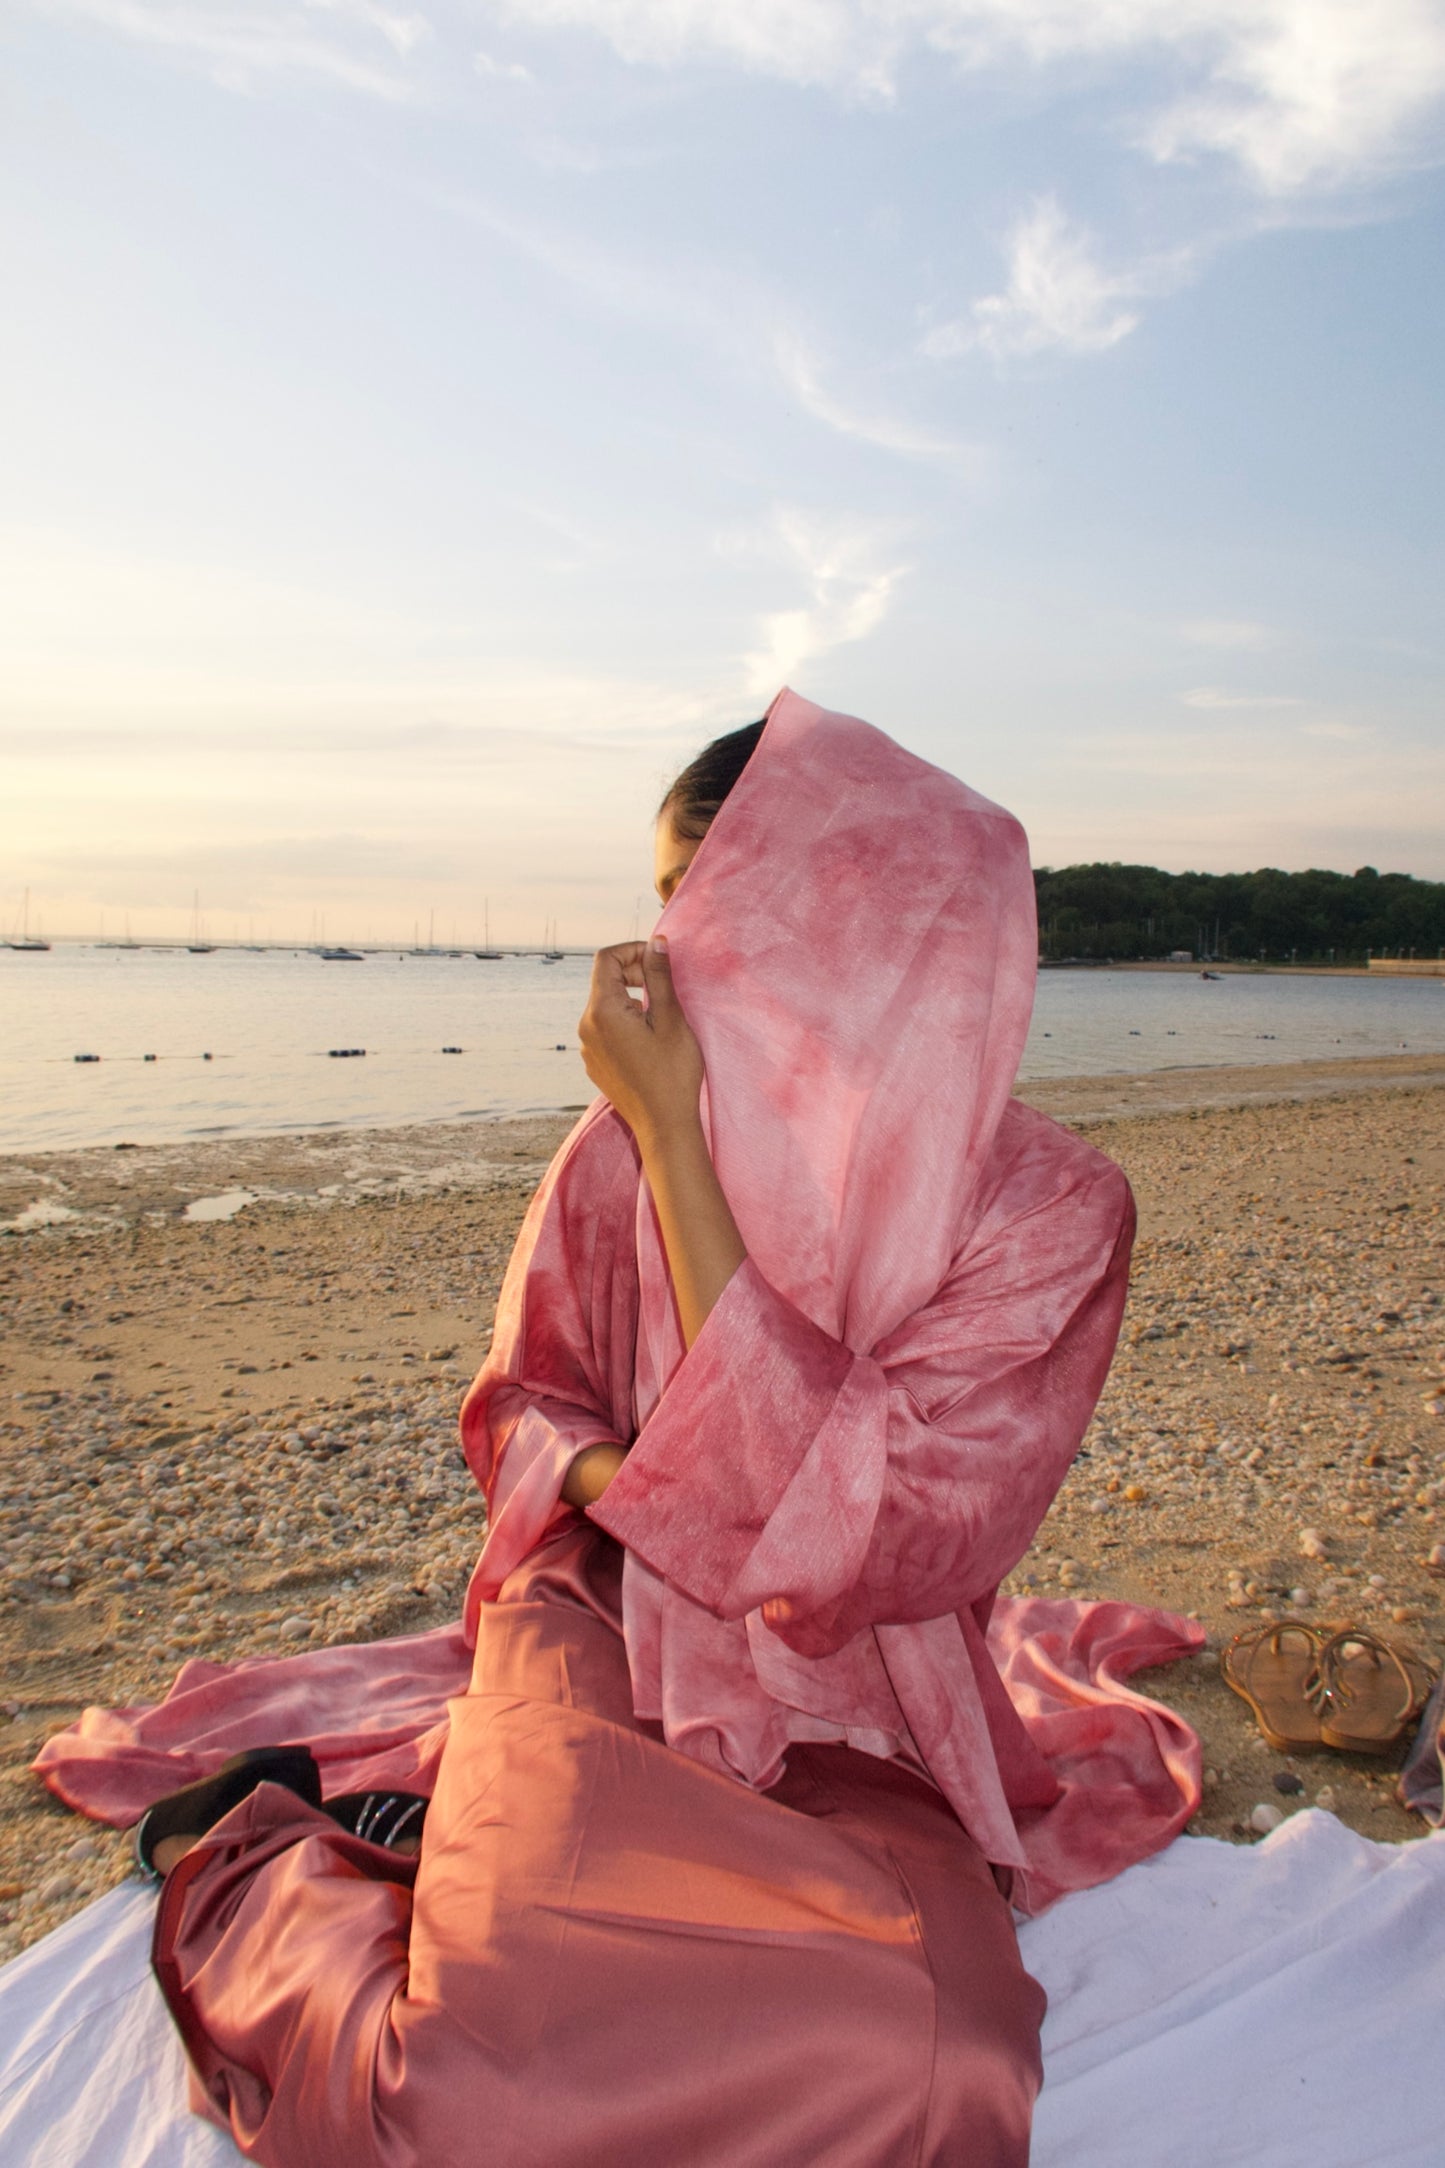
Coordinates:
801	1334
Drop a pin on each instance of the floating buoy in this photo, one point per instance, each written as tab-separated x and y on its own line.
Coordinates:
205	1057
559	1048
148	1057
339	1053
87	1057
451	1050
1136	1034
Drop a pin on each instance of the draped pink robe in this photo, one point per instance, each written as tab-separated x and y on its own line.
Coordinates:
780	1631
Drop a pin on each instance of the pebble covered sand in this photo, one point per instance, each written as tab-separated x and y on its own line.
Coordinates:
225	1436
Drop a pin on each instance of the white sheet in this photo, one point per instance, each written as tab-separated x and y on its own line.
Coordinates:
1279	2006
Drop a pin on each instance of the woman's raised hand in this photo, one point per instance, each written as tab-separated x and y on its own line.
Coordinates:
647	1062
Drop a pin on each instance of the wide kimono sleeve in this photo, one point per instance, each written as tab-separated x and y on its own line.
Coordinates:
834	1491
558	1375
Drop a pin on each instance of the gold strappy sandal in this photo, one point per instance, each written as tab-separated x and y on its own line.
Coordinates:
1273	1668
1365	1692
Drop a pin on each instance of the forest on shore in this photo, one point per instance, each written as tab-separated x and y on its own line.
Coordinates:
1131	913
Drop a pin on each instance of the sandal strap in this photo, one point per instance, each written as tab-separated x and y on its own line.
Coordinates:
1334	1689
380	1817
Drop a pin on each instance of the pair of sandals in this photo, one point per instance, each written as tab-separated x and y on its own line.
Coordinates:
379	1817
1311	1688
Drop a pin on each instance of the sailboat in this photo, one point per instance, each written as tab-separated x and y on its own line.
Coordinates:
486	954
551	954
127	943
196	946
25	946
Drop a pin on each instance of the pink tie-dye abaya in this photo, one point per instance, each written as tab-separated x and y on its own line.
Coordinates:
704	1875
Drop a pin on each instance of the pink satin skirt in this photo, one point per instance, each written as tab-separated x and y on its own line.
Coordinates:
607	1955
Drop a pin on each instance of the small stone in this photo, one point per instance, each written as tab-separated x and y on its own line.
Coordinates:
54	1887
1299	1597
1402	1614
1265	1817
1435	1558
295	1628
1135	1494
9	1890
1377	1580
1325	1798
1287	1782
1311	1543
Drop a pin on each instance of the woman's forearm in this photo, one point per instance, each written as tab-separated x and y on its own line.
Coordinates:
699	1233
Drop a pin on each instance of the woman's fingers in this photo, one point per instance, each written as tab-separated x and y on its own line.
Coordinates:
647	1062
615	969
656	968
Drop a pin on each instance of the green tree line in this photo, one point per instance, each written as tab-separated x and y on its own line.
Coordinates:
1130	912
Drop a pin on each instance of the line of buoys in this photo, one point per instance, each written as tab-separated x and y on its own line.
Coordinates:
451	1050
122	1059
344	1053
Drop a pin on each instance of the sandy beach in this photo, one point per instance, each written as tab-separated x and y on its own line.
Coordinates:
227	1435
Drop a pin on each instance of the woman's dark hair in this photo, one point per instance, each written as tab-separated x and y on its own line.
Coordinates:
692	802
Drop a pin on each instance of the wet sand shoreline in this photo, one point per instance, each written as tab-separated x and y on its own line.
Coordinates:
232	1435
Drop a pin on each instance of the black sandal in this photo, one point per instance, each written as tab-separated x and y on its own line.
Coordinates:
380	1817
197	1807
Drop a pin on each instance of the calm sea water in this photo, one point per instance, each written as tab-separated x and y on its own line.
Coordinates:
268	1021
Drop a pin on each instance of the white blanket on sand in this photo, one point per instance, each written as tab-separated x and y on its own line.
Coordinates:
1271	2007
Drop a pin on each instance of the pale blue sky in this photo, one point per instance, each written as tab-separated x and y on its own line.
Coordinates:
427	425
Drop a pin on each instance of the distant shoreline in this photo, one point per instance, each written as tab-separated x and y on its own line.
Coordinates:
1216	970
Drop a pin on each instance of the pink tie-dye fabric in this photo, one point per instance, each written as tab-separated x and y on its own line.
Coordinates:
823	1494
825	1491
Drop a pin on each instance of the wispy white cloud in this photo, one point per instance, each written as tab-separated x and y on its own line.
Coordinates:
247	44
1058	296
1306	96
704	303
802	377
1218	696
1293	95
833	43
849	570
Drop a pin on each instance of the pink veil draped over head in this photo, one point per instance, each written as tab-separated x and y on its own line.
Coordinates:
854	946
822	1495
